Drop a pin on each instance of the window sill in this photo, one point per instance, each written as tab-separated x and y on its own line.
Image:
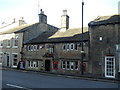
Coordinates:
15	47
8	47
14	66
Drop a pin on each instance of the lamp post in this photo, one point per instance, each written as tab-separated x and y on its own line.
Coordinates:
82	51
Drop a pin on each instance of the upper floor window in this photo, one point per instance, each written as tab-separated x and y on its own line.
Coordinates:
8	43
1	43
72	46
64	47
68	47
51	50
34	47
16	40
31	47
76	46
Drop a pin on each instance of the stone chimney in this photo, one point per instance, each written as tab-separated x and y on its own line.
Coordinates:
21	21
64	20
14	20
42	17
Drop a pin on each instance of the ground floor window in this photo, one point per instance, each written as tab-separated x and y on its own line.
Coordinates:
119	62
32	64
7	58
14	60
76	65
110	66
70	65
63	65
0	58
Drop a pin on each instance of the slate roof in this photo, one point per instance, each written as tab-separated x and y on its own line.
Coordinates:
71	35
104	20
23	30
15	29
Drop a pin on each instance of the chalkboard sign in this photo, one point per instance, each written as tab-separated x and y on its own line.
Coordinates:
21	65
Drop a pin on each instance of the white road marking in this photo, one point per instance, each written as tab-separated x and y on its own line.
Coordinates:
15	86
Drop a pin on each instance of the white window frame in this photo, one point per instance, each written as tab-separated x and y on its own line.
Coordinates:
63	65
34	64
28	47
67	65
29	63
1	57
7	54
71	64
1	44
106	66
119	62
31	49
72	46
68	47
13	59
51	50
75	65
37	47
64	47
8	43
14	41
76	46
34	47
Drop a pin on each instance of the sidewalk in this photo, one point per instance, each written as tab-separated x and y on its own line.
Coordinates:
69	75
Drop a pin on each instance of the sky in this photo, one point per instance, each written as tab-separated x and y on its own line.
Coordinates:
29	9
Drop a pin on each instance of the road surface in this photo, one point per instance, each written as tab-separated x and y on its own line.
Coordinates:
29	80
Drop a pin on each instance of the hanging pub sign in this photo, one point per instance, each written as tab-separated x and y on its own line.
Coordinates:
21	65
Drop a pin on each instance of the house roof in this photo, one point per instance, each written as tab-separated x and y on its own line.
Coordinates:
23	30
71	35
12	30
103	20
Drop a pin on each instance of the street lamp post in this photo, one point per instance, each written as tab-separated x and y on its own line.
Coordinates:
82	51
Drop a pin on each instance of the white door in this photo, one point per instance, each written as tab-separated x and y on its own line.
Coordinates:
110	66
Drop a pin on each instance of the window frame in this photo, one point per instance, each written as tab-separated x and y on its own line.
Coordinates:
8	44
68	47
71	64
1	43
14	59
15	45
107	73
119	62
76	47
1	57
63	65
72	46
64	47
67	65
